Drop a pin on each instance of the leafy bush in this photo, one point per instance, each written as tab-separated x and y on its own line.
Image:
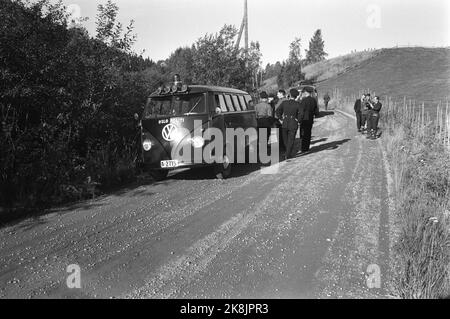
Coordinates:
65	99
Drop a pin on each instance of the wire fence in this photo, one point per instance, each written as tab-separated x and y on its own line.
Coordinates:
424	121
426	118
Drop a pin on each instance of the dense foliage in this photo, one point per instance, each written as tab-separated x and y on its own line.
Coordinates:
67	99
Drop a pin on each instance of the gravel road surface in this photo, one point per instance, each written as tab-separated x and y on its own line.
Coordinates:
309	231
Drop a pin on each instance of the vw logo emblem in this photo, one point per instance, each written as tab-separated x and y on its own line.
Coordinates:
168	132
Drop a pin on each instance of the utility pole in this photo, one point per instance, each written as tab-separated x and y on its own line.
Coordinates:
244	25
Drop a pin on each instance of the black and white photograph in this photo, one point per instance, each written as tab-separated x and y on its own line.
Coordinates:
225	157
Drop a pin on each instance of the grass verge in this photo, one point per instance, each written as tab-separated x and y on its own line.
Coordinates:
421	172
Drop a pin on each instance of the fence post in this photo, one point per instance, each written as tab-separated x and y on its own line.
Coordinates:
438	122
447	120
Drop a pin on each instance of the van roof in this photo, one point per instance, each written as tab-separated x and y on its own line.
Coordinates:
211	88
307	86
208	88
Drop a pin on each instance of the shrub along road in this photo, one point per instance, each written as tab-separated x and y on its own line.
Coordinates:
311	230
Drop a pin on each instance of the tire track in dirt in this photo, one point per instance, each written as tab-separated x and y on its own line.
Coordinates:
176	277
165	283
363	233
98	245
253	235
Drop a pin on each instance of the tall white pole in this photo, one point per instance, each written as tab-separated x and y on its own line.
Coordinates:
246	27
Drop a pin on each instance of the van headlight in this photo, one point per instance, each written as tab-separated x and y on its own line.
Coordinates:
197	141
147	145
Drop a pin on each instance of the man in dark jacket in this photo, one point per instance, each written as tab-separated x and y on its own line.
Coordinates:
308	110
281	97
264	115
358	111
273	100
288	112
365	108
373	118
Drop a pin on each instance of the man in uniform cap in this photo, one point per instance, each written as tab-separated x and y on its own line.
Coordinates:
308	110
177	79
289	112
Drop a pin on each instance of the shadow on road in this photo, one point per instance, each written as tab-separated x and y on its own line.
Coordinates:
325	113
35	216
206	173
325	147
318	141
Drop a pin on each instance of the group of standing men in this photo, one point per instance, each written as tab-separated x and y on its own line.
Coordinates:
299	109
367	111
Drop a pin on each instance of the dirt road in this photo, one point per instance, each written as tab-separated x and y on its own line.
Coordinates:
311	230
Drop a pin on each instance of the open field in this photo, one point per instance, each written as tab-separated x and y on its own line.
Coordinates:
327	69
331	68
420	74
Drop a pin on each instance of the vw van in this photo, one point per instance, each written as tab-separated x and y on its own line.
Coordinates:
173	118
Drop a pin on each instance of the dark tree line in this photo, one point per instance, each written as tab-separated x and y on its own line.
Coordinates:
67	99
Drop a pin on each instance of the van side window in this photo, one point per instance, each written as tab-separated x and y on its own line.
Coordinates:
250	105
243	104
236	103
229	103
220	102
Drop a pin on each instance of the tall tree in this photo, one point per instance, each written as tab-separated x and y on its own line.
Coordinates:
295	56
291	70
110	31
316	52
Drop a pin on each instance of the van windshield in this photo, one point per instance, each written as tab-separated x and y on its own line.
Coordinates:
175	105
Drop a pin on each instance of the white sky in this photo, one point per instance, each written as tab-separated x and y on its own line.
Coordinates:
164	25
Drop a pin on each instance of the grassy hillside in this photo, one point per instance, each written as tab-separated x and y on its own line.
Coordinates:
422	74
327	69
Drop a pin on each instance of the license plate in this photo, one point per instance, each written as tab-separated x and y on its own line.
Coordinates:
168	164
